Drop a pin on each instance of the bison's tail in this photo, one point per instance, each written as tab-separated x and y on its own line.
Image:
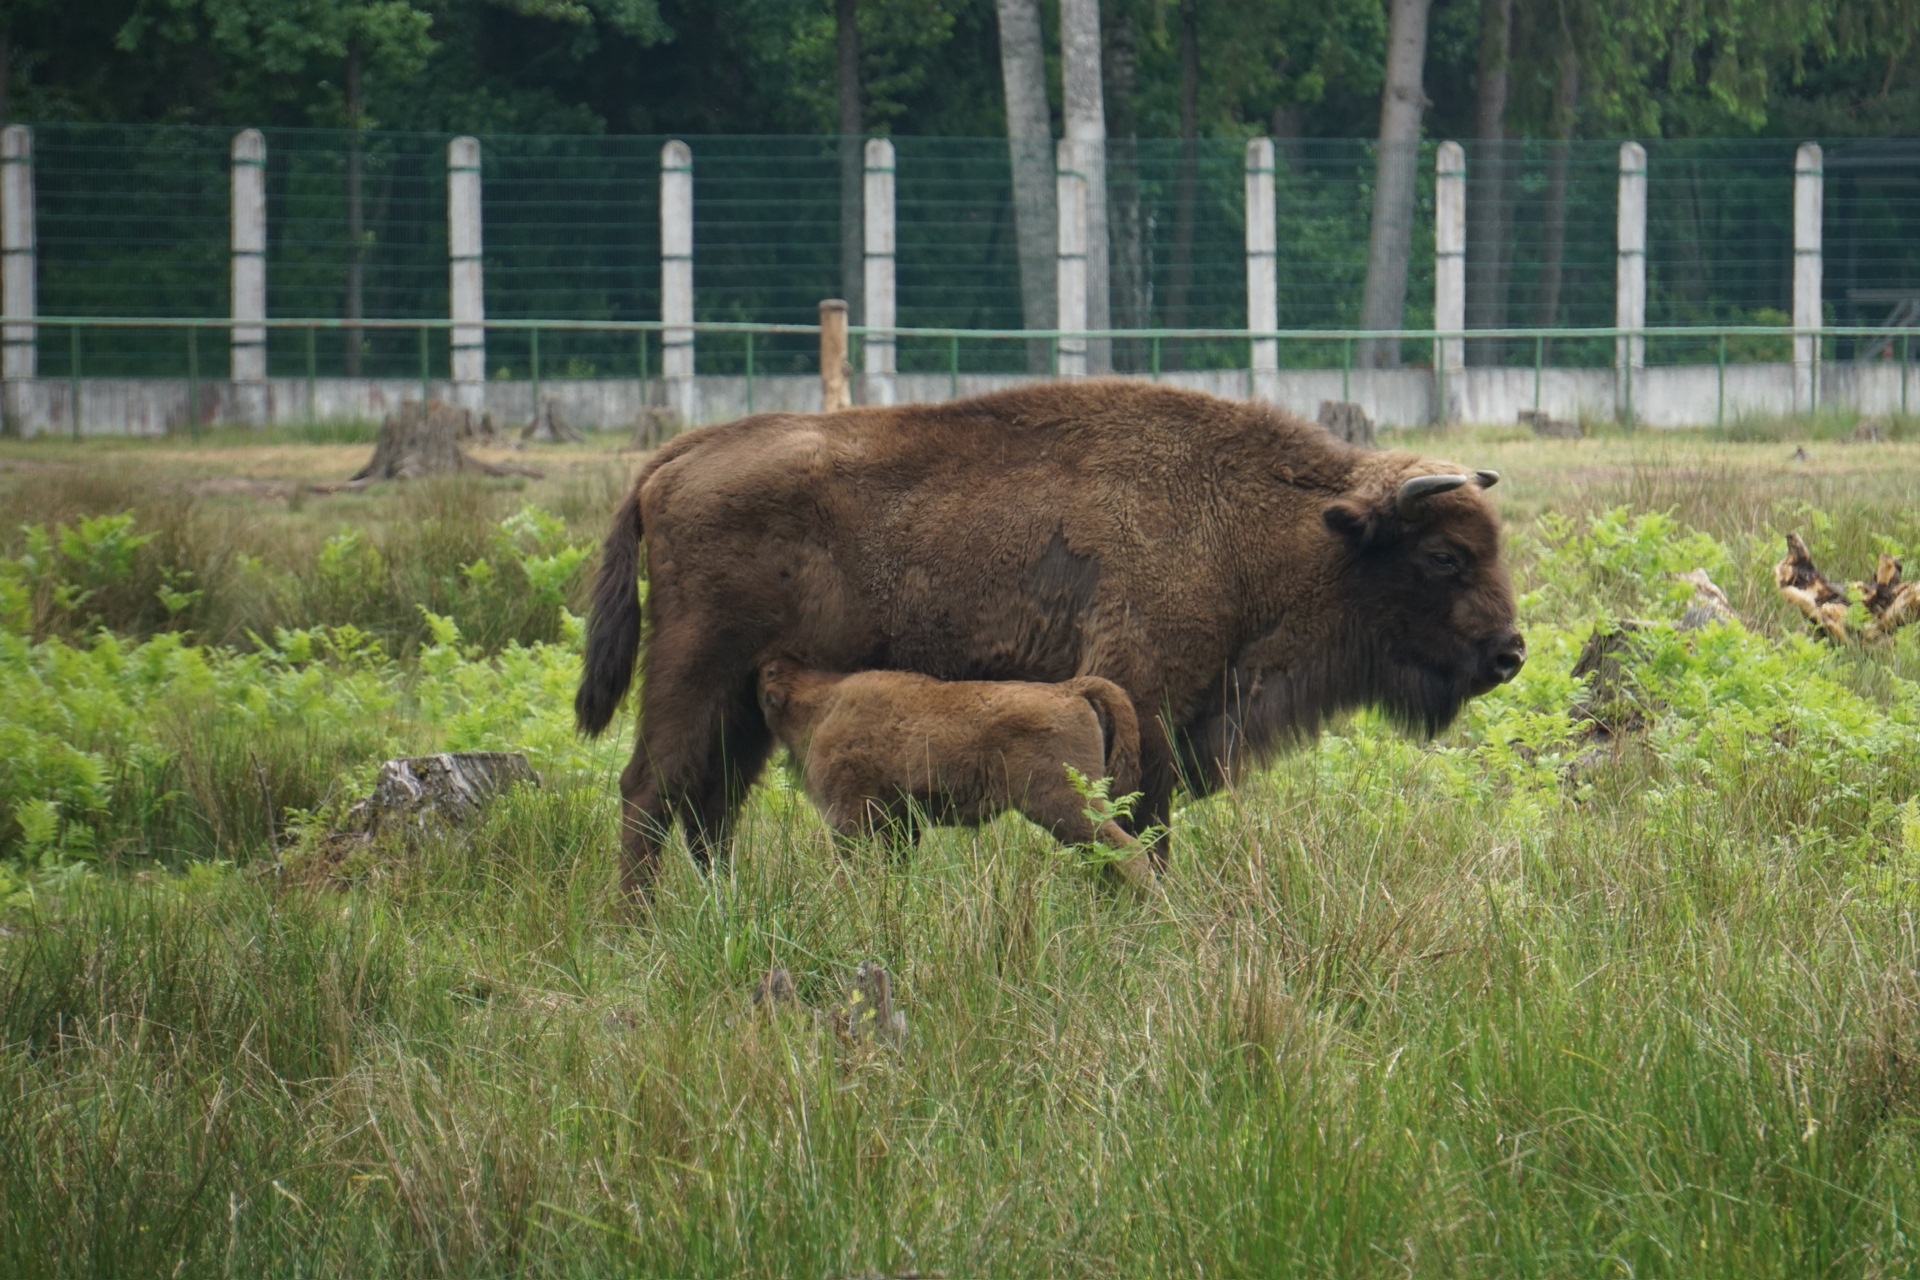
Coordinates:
613	629
1117	716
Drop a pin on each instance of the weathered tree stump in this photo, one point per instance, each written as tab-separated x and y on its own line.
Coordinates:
423	439
548	426
1891	603
417	795
654	425
1613	702
1806	589
1709	603
1548	427
1347	421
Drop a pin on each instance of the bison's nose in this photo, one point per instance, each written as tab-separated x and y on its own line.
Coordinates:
1507	658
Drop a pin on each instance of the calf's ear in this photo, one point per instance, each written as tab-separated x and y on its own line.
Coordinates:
1358	523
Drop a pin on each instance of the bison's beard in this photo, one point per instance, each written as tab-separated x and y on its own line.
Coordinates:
1252	714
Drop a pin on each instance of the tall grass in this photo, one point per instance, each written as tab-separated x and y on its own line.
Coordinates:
1654	1010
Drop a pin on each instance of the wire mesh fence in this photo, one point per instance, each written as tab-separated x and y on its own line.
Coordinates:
133	221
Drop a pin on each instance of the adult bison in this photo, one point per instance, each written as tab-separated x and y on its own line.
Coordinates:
1239	572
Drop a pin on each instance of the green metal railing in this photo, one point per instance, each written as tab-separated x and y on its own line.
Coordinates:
643	331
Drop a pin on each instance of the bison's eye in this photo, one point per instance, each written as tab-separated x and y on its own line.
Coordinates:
1443	563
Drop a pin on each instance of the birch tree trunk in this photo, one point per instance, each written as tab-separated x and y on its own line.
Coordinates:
1132	281
1186	183
1085	112
1487	185
1390	236
1023	77
846	15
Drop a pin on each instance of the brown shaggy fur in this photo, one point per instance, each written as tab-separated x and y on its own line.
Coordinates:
1240	573
879	749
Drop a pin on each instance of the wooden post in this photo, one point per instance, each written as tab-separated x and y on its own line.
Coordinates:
1630	276
1071	276
1263	296
833	356
466	281
879	279
248	232
1450	276
676	277
1808	183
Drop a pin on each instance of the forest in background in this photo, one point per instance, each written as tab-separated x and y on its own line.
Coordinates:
1223	68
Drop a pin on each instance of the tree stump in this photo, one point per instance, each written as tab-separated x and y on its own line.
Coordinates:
1891	603
1347	421
1805	588
423	439
653	425
1548	427
550	427
1613	702
1709	603
417	795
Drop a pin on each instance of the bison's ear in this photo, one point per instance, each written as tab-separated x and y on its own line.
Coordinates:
1359	523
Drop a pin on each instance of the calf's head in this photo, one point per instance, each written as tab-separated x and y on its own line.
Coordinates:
1430	605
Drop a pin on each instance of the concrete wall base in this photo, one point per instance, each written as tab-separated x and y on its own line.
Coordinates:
1670	396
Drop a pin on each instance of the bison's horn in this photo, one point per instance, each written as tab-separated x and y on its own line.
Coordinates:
1487	479
1420	488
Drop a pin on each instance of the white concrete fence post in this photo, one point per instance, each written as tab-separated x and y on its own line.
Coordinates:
1808	182
1630	277
466	278
879	278
1071	197
1450	276
248	232
676	277
1263	286
16	249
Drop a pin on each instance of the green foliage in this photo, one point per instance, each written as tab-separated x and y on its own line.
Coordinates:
1520	1000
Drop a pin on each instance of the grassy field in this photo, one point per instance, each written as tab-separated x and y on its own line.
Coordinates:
1518	1001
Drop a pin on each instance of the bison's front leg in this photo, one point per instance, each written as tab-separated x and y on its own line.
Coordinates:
1159	775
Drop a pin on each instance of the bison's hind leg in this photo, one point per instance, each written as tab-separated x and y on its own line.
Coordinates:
709	805
702	743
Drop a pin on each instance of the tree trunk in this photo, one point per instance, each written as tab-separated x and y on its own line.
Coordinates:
1289	127
1084	108
1487	189
1553	248
1390	239
1023	75
853	235
1186	182
1132	282
356	214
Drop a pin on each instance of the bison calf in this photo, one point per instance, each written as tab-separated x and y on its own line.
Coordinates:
878	749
